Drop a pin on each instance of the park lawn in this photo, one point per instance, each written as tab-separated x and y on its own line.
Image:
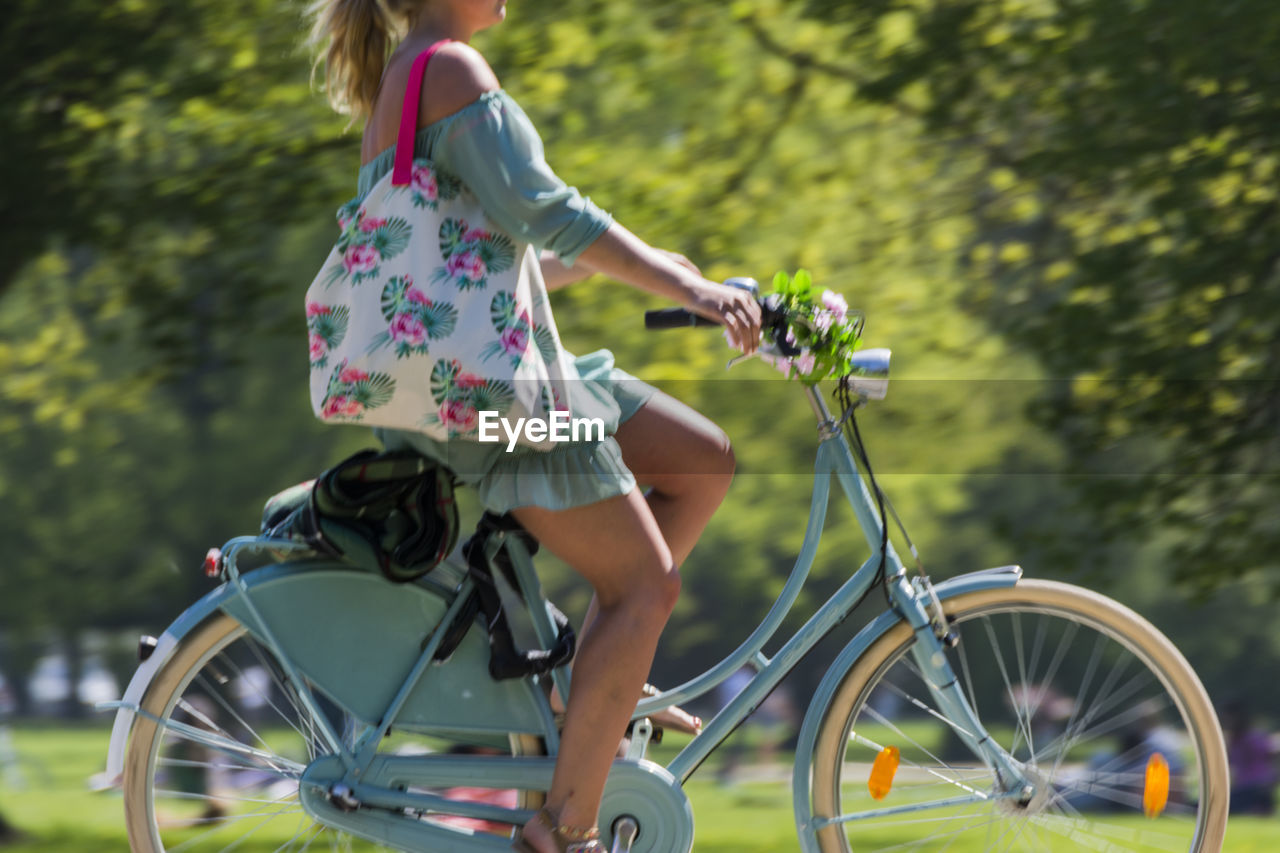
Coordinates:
59	814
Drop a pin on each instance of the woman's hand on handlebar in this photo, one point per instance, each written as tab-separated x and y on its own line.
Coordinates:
736	310
622	255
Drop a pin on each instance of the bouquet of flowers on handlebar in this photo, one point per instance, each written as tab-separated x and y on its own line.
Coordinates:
812	337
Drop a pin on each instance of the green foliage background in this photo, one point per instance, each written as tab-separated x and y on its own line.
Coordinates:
1061	214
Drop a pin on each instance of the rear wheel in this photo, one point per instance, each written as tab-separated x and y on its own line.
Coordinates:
218	767
1101	710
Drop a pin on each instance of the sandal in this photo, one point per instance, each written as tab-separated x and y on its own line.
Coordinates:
568	839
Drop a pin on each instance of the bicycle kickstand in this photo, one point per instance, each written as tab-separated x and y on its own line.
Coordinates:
625	830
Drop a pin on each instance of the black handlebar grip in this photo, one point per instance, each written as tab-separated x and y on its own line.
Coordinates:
675	318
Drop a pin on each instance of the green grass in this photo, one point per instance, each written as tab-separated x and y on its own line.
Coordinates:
59	814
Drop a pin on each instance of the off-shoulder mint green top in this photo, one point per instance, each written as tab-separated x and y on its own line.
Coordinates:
492	146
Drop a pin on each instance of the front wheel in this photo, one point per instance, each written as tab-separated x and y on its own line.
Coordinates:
1105	716
214	760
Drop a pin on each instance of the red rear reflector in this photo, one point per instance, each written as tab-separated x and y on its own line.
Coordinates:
213	563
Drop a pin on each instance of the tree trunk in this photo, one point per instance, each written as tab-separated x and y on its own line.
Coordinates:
75	671
8	834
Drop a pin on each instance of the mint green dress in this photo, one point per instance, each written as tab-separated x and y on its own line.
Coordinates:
492	146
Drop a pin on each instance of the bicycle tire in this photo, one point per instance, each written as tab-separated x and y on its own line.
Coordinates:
1126	689
178	793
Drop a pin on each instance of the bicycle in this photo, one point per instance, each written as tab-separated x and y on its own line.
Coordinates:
986	711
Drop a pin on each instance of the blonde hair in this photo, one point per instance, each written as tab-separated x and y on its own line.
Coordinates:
354	38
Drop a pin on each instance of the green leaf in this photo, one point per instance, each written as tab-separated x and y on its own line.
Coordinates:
497	252
439	319
442	375
451	231
374	391
392	238
502	310
493	396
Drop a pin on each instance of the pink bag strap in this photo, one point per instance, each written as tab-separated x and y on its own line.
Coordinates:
402	172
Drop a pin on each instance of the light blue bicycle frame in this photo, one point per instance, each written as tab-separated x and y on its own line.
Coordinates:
835	457
915	603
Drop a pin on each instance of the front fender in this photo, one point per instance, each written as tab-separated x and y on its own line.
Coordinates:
1003	577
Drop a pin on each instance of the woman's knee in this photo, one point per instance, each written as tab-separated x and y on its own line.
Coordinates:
651	596
668	589
723	456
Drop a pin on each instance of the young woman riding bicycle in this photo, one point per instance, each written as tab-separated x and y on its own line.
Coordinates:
580	501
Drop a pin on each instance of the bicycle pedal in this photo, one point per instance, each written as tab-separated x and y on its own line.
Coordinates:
625	833
654	737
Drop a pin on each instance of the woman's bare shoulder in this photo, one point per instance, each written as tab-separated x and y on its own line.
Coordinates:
455	78
457	75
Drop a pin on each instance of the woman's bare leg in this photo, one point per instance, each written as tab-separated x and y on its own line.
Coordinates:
618	547
687	463
630	555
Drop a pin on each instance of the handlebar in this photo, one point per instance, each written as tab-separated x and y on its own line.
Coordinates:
675	318
773	321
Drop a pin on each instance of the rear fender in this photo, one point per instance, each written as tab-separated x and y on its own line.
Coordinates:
160	655
356	637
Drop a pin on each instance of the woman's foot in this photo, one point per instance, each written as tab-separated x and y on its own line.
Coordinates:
673	718
544	834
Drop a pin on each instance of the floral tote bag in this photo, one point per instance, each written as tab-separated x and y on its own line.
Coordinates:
425	316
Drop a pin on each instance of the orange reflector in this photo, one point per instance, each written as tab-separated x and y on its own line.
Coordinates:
882	773
1155	793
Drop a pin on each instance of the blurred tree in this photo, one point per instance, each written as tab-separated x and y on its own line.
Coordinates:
138	140
1127	223
152	347
8	834
140	423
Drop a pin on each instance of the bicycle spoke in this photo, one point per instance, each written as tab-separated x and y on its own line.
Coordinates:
262	815
1069	698
286	689
1024	730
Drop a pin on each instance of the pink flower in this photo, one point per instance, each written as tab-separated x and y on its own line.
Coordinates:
514	340
424	181
361	259
368	226
805	363
467	265
468	380
319	349
475	235
408	328
835	303
524	318
352	375
416	296
315	309
341	405
823	320
458	415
